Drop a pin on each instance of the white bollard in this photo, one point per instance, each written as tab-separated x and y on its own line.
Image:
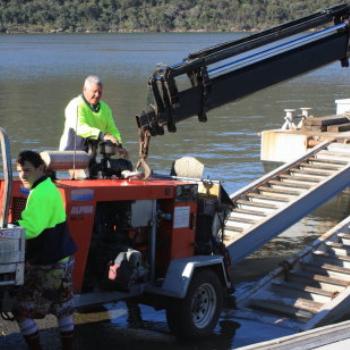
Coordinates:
305	112
289	119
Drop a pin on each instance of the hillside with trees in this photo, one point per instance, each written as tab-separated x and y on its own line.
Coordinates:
151	15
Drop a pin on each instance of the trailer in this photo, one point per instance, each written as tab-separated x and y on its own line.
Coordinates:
170	241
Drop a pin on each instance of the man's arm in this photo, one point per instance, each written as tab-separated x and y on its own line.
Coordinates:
113	131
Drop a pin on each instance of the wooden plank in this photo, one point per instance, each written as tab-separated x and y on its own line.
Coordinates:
340	260
233	229
345	239
250	204
323	166
281	309
327	269
301	277
316	278
336	268
236	224
249	212
299	303
236	215
335	155
329	257
337	245
303	172
268	197
317	160
314	168
330	157
305	288
300	179
338	248
236	219
339	147
286	291
276	184
287	192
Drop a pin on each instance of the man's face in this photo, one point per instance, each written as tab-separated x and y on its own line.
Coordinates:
28	174
93	93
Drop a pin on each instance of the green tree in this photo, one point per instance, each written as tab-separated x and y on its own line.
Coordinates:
156	15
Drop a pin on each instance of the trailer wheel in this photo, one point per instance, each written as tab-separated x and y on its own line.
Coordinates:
197	314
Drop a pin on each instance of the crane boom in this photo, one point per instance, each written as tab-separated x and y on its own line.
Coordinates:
228	71
231	70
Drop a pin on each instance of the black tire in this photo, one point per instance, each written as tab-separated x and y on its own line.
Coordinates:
197	314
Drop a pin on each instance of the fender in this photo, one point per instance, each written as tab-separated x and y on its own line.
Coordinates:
181	271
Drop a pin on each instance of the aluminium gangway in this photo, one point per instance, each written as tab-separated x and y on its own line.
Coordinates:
307	290
312	288
268	206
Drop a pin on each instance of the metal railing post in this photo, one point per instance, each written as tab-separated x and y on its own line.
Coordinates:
7	170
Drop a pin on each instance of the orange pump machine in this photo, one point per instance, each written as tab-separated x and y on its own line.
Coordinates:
105	216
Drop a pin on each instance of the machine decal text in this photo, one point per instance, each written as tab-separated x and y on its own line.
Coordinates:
181	217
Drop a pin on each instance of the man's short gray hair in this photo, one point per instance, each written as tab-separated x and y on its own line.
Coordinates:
92	80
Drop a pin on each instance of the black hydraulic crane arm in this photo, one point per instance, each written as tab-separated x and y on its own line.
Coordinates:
225	72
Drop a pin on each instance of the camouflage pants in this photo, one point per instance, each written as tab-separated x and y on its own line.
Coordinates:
46	289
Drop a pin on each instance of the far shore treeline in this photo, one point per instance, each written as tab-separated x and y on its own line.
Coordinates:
49	16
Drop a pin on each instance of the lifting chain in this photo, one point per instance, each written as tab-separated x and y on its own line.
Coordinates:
144	141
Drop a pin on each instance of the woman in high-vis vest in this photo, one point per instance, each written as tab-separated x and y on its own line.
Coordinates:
49	255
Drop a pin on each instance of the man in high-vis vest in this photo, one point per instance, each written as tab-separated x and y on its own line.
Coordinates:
47	284
87	117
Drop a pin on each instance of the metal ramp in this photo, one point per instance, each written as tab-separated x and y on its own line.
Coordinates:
274	202
309	290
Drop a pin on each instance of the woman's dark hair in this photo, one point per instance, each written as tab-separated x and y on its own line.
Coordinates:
30	156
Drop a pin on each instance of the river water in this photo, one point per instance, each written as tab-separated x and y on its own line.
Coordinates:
41	73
